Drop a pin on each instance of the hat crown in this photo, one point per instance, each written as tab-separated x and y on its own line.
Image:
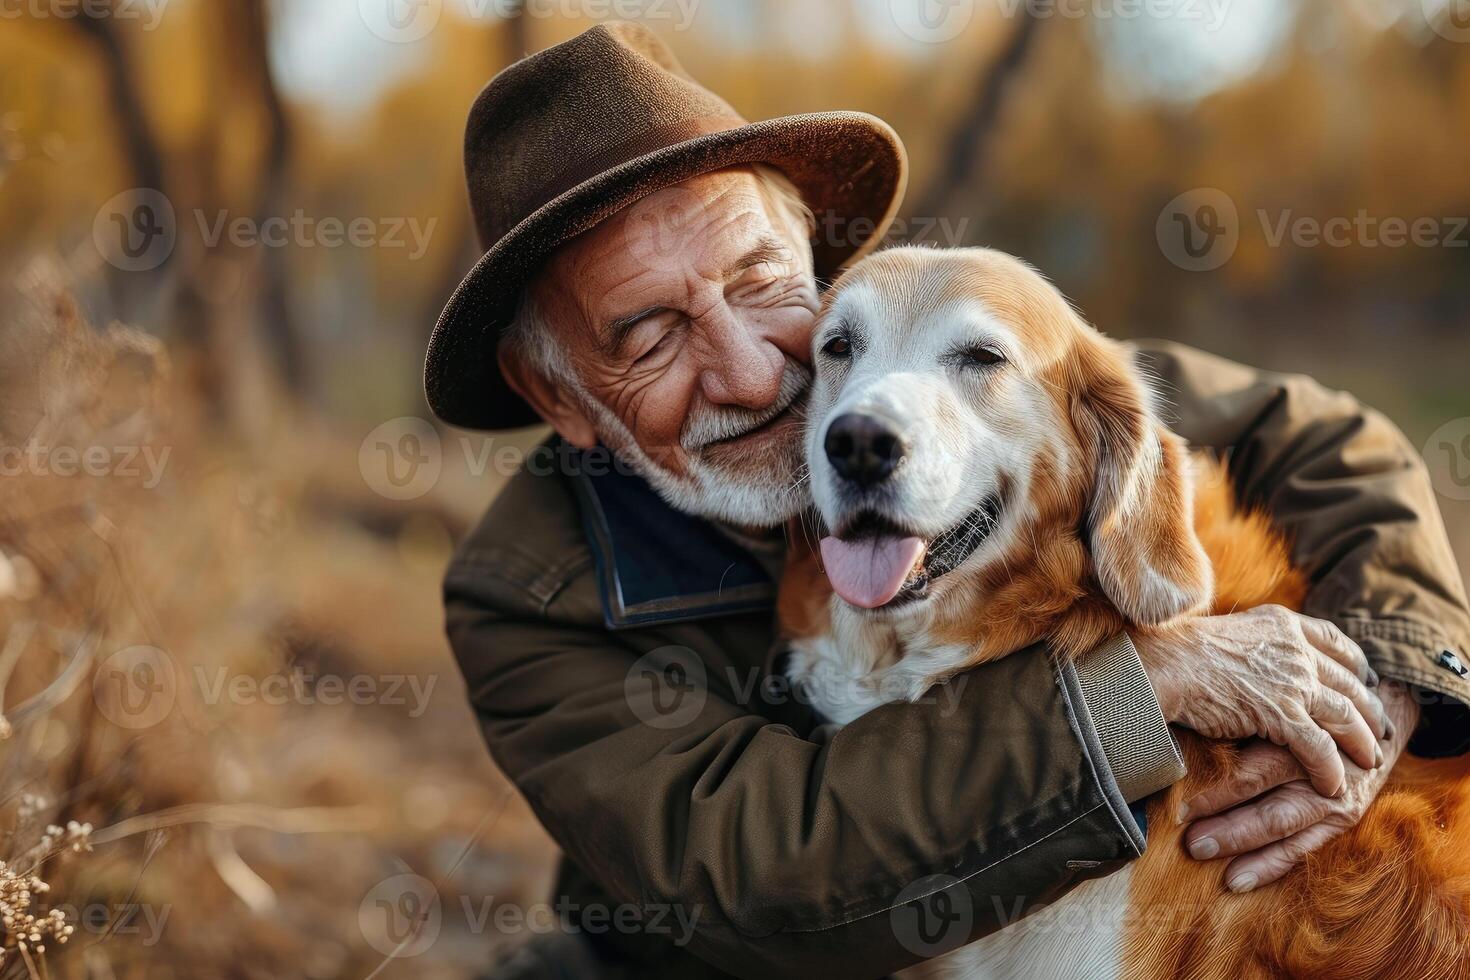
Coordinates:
552	120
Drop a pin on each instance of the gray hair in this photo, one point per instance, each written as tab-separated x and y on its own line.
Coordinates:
528	334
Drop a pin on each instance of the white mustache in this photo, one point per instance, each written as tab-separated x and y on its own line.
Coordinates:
714	423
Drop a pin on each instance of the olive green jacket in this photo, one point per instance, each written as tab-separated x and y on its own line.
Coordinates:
620	655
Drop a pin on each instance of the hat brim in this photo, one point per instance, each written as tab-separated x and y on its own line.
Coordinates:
851	170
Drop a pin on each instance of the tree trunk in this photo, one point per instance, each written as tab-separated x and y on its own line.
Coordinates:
277	324
969	143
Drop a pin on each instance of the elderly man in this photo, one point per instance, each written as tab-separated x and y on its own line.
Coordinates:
649	288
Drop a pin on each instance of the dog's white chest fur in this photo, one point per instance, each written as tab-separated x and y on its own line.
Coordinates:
861	663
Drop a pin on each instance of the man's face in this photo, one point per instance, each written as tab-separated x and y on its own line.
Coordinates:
686	320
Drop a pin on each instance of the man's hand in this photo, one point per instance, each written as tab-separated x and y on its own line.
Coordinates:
1285	819
1271	673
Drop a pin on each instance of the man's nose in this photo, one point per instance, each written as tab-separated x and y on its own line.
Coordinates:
743	369
863	449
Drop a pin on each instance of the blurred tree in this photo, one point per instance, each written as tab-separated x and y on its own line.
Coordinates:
513	41
969	142
246	24
97	21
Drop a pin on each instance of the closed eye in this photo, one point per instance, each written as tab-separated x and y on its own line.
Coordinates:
977	356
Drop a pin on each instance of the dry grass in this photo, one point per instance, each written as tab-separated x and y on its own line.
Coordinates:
172	648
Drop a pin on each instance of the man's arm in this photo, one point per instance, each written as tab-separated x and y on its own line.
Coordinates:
1357	503
1360	509
792	856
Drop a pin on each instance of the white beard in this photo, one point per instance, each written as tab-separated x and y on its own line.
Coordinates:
767	499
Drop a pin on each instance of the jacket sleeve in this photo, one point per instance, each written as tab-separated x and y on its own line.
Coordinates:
794	857
1358	504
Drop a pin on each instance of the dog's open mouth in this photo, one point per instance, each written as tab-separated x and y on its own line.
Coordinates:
874	563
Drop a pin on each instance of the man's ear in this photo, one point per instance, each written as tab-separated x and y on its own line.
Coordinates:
1140	519
550	399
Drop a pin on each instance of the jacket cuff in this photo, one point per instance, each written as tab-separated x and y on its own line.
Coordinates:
1122	727
1437	670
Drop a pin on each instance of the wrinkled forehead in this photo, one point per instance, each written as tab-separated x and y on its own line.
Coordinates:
915	298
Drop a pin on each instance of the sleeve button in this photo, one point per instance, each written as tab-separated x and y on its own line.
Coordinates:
1449	661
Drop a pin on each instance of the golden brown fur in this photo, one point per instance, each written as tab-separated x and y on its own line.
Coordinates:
1113	535
1388	899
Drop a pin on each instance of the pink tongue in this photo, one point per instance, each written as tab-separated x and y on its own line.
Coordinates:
870	572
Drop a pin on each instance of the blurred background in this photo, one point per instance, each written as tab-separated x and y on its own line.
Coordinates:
234	742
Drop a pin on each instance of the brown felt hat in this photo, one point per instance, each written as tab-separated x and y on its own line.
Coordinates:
562	140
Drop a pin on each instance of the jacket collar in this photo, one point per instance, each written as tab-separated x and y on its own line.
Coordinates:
656	565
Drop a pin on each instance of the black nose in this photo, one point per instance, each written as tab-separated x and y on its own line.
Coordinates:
863	448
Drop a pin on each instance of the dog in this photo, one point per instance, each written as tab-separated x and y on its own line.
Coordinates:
992	472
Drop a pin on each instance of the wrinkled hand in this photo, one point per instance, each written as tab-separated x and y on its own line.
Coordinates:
1285	819
1271	673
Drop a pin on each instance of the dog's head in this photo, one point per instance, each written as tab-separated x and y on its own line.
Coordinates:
960	410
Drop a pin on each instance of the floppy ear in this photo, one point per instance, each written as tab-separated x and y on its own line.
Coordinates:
1140	518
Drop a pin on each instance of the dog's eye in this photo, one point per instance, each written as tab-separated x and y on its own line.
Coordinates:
979	357
838	346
